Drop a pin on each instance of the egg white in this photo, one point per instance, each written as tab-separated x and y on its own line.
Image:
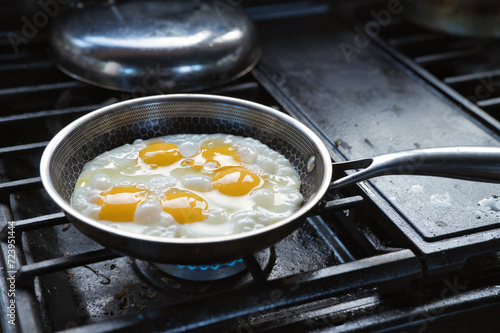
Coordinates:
277	198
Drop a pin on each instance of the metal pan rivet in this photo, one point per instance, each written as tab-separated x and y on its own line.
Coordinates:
311	162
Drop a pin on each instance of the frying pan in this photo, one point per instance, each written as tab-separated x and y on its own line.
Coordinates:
144	118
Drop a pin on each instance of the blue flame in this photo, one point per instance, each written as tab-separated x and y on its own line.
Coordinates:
210	267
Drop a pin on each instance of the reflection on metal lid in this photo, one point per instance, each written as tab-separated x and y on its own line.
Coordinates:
156	46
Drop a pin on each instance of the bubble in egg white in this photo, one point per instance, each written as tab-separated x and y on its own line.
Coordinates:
92	211
284	171
170	231
101	182
247	155
255	169
137	143
261	150
159	184
263	198
216	216
274	155
256	216
244	224
122	159
210	166
80	203
265	163
148	212
91	195
198	183
283	202
166	219
288	195
125	183
189	148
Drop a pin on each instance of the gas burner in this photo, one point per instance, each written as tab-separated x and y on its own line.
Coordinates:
183	280
204	272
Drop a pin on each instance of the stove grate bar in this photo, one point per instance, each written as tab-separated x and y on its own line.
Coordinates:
41	87
27	273
253	266
22	149
343	203
242	87
26	66
414	39
8	188
337	246
38	222
288	9
471	77
487	103
444	56
4	35
17	56
52	113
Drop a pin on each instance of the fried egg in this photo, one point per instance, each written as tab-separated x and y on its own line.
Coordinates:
189	186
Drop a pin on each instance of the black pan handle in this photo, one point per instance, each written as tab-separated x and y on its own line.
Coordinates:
469	163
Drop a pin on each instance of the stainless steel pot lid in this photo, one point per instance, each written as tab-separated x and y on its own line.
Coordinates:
155	46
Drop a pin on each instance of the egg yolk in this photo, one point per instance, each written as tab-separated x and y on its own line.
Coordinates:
236	181
118	204
224	156
185	207
160	154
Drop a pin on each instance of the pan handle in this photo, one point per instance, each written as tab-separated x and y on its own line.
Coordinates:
469	163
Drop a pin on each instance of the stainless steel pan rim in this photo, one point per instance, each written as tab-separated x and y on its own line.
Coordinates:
261	238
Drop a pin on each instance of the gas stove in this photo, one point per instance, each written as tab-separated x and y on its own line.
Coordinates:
396	253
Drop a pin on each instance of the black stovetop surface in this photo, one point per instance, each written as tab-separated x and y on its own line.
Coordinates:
366	103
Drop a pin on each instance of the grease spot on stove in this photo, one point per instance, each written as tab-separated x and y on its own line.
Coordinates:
417	188
489	206
441	224
441	200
